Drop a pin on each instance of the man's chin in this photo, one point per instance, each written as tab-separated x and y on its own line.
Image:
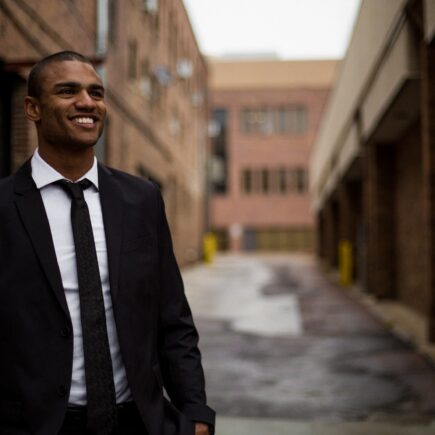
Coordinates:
82	145
84	141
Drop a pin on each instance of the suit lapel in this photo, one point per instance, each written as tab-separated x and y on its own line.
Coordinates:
112	205
31	209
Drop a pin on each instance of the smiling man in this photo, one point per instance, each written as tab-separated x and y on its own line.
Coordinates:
94	322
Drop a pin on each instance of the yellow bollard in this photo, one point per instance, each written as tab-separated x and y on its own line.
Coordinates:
210	247
345	262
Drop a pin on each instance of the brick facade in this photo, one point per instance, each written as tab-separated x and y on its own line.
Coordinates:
155	128
379	202
428	179
271	217
409	221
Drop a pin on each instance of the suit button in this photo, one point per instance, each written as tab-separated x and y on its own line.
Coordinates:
61	391
65	332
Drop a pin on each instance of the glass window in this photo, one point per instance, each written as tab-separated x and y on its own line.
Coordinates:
267	124
246	121
275	120
282	180
297	119
247	181
264	181
301	180
219	151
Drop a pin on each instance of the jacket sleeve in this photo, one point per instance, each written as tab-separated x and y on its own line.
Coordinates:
180	358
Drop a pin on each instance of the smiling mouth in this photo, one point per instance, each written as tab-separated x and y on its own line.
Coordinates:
85	121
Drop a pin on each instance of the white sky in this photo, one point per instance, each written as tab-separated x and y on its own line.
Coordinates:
292	29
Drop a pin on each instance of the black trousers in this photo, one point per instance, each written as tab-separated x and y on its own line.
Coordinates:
129	421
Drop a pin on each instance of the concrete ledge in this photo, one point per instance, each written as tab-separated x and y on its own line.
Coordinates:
259	426
403	321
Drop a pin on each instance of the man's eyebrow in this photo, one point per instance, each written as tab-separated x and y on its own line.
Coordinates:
96	86
78	85
67	85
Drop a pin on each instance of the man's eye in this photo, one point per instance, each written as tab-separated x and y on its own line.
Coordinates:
67	91
97	94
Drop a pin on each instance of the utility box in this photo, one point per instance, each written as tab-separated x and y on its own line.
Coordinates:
210	247
345	258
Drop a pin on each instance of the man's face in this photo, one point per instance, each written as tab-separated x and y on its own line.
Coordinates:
71	106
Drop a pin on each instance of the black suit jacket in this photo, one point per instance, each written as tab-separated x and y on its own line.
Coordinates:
158	339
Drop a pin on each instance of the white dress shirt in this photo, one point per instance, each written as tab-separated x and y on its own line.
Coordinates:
57	206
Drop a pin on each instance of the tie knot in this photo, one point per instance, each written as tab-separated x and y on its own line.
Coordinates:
75	190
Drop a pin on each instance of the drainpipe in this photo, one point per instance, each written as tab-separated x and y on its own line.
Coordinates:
101	51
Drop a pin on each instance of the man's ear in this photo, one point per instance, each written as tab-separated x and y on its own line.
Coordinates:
32	109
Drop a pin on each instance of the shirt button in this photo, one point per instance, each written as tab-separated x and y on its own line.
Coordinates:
65	332
61	391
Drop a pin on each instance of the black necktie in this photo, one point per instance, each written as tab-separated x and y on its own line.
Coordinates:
100	389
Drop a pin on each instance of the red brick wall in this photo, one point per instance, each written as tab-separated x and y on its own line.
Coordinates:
23	136
428	177
409	222
139	137
140	125
257	152
32	29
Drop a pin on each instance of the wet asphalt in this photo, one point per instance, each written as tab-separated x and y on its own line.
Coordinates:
285	350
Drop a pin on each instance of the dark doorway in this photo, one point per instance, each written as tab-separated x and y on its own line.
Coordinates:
6	85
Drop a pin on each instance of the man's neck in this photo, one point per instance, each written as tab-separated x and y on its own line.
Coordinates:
72	165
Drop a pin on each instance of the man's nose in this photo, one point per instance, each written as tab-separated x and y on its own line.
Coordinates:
84	100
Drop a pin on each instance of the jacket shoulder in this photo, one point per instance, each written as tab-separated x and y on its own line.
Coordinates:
135	190
6	186
132	181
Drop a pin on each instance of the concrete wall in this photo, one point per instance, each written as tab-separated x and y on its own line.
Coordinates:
429	23
376	20
378	134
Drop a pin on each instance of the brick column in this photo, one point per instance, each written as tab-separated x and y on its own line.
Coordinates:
428	143
5	127
345	211
331	233
349	208
23	137
379	193
320	220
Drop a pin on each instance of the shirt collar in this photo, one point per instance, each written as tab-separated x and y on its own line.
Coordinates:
43	174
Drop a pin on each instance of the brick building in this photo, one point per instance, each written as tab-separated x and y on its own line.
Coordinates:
373	164
156	93
265	118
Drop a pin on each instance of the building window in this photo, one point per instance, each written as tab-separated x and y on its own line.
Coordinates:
151	6
218	133
297	119
264	181
282	116
132	59
247	181
246	121
301	180
279	180
282	180
278	120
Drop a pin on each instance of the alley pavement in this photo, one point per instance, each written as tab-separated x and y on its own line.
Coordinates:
285	351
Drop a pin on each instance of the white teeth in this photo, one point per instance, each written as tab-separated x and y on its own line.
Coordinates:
84	120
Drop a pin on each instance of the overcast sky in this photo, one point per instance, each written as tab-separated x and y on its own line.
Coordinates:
292	29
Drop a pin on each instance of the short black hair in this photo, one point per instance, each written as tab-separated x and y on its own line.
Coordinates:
35	75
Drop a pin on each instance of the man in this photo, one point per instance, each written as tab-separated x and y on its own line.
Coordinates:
93	317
